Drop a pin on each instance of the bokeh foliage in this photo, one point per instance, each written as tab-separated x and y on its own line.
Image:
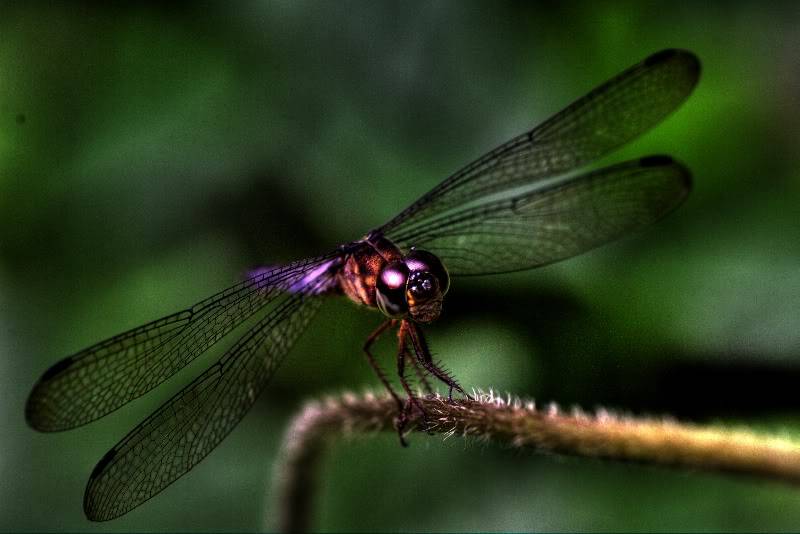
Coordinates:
150	154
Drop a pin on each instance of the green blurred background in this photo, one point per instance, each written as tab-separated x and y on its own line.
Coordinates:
151	154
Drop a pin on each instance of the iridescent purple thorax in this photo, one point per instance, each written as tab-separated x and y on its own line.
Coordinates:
377	274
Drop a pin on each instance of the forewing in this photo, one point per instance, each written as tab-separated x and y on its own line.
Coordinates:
186	428
611	115
556	222
105	376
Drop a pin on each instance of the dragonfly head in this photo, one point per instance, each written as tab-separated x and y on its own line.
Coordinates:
414	285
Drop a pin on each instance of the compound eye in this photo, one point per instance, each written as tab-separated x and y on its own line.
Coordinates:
424	261
422	286
390	289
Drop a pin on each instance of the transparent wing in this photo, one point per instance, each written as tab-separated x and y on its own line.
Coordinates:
105	376
608	117
186	428
554	222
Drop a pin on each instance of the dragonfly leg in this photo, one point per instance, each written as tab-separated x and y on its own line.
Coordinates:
403	408
423	380
373	337
403	353
425	359
412	401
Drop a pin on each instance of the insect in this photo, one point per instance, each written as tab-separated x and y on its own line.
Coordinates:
517	207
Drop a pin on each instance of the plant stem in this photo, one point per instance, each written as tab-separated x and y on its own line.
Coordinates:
604	435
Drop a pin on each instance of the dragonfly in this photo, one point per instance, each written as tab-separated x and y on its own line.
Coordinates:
524	204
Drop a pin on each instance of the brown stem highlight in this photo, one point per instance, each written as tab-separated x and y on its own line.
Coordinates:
605	435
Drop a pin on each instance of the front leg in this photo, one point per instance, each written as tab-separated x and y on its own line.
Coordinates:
424	358
402	408
406	354
402	354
